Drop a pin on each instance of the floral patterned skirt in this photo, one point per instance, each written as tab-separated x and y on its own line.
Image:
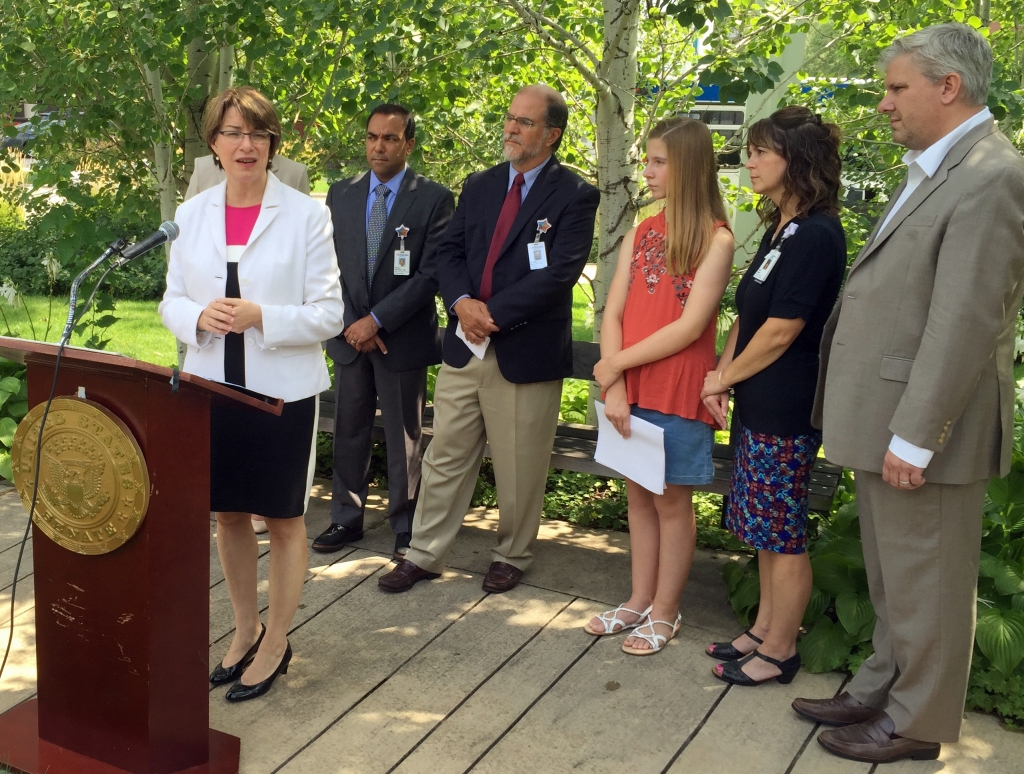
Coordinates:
768	497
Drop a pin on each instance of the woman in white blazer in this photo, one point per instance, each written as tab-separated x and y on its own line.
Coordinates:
252	289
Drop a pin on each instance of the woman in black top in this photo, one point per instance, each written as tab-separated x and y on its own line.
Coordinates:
771	363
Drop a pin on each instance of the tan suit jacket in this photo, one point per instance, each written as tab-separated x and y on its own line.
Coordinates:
207	174
921	341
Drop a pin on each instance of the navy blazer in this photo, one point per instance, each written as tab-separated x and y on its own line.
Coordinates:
532	308
404	305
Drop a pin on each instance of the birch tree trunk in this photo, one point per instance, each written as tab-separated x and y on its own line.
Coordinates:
616	140
200	71
162	149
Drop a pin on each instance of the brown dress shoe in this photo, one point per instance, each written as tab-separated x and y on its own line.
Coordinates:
501	577
843	710
875	741
404	576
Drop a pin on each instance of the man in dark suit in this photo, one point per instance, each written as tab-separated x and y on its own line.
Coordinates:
388	223
515	248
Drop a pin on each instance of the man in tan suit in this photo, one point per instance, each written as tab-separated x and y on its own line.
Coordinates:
207	174
916	393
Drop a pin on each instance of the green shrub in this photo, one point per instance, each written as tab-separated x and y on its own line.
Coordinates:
840	619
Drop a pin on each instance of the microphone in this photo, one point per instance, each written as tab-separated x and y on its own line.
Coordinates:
167	232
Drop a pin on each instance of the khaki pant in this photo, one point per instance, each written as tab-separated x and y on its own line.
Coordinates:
921	551
475	405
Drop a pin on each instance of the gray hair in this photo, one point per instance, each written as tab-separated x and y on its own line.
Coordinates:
944	49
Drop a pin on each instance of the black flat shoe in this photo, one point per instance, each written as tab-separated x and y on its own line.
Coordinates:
240	692
335	538
223	674
726	651
732	671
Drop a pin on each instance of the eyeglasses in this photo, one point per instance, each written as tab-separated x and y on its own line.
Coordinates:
524	123
258	138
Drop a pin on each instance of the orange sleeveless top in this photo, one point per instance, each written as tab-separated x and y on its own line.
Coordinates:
656	298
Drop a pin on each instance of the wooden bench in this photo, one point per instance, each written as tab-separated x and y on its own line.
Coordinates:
575	444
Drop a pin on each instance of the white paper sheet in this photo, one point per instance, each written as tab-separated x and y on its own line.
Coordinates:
476	349
640	458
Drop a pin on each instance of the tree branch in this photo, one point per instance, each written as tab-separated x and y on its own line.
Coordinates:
536	21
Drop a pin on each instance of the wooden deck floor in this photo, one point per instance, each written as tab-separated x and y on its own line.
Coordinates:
447	678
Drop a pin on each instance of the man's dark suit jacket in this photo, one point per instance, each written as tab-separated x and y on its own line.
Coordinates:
403	305
532	308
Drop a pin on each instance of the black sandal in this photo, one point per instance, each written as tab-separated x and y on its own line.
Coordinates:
732	671
726	651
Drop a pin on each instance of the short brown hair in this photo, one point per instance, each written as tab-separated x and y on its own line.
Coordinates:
256	110
693	200
810	147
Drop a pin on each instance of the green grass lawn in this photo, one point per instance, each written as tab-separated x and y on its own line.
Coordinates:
137	333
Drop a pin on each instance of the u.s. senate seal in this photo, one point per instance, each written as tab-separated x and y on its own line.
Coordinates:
93	480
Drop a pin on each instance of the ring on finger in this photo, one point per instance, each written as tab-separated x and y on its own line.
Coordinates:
904	483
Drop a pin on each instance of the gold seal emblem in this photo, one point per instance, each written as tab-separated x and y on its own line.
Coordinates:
93	480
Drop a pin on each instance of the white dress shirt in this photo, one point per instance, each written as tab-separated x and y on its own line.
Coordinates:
921	165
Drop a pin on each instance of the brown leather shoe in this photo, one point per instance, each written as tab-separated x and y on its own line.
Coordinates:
875	741
843	710
501	577
404	576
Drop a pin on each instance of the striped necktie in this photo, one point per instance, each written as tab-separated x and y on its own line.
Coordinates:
375	228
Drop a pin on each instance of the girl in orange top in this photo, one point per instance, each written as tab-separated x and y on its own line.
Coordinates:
657	345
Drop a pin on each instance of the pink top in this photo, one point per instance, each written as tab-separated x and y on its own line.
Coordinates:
656	298
238	222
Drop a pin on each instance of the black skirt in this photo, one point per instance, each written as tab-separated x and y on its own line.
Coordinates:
260	463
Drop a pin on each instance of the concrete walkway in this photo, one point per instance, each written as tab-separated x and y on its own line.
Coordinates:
446	678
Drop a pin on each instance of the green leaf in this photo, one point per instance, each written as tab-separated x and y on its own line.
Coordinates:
18	409
10	384
746	595
1007	491
1007	577
5	465
849	548
856	614
1000	636
732	573
825	647
8	427
818	604
831	574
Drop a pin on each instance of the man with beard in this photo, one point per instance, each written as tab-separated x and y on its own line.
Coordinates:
520	237
388	223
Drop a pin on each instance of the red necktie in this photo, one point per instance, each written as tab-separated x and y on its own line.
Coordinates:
509	210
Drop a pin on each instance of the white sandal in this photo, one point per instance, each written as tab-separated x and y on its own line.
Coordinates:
611	618
655	640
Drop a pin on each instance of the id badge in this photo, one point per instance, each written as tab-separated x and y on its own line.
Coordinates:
538	253
402	261
766	266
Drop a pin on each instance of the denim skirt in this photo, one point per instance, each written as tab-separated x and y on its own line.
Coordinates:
688	445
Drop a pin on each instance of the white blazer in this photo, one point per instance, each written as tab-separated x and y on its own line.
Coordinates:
288	267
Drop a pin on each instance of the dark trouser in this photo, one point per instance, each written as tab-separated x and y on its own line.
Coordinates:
358	387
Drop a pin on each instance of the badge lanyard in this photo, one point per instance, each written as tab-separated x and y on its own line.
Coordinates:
402	256
536	251
774	254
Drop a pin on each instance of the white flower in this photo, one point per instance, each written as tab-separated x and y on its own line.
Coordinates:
9	293
52	266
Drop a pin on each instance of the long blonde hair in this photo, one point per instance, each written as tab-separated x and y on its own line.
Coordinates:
693	200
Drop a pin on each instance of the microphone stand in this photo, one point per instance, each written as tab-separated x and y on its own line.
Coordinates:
115	247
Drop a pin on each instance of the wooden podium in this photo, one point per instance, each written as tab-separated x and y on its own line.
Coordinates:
122	638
